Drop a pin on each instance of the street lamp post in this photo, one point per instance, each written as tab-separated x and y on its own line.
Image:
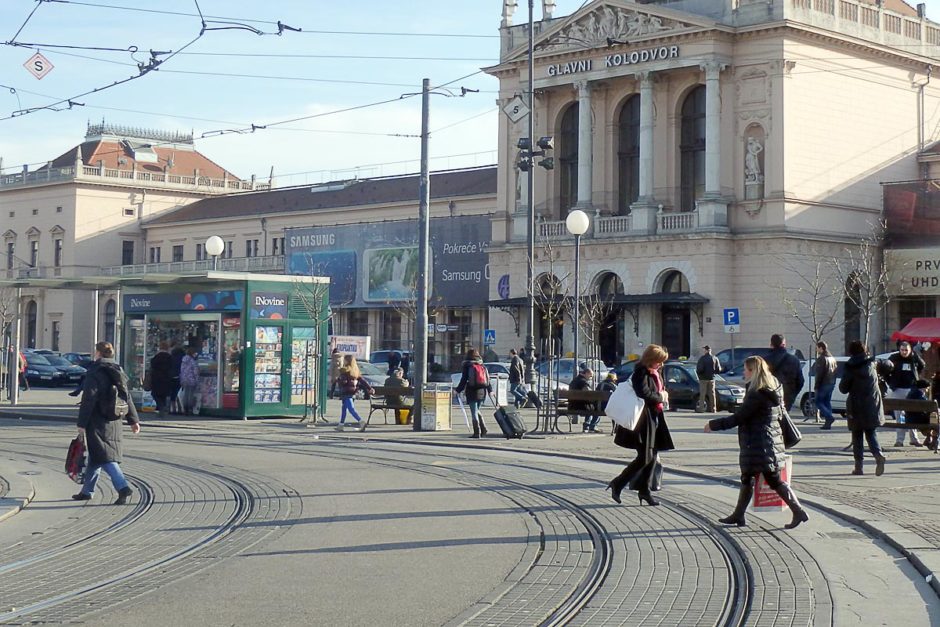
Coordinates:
577	223
215	246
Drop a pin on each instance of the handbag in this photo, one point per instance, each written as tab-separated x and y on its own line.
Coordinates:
791	434
624	407
76	460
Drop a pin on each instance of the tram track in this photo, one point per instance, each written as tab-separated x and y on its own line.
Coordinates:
735	607
90	553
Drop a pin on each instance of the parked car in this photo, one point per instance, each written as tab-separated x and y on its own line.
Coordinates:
374	374
70	372
79	359
682	383
625	370
733	371
495	369
380	358
562	371
40	372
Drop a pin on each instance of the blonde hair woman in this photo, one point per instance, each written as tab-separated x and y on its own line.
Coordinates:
761	440
349	382
651	434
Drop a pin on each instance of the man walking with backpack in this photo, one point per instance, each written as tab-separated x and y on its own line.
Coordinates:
106	404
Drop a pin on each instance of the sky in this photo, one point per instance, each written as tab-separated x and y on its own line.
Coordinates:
349	55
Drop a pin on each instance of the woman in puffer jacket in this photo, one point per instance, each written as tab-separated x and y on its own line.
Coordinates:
761	441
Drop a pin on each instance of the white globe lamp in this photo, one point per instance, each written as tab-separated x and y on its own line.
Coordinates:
215	246
577	224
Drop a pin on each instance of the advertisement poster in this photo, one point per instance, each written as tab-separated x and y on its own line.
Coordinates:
268	349
360	346
268	305
378	262
223	300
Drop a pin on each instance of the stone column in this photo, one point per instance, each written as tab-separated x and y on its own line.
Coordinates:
646	137
585	145
713	207
713	128
643	211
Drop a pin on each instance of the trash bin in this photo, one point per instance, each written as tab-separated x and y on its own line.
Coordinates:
402	416
435	407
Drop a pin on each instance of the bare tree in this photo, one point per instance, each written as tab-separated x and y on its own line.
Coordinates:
816	299
595	311
864	277
550	291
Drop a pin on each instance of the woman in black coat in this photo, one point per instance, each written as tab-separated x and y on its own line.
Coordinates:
161	378
651	434
102	434
761	440
863	405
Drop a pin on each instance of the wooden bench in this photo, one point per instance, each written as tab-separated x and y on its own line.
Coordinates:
912	406
379	401
594	397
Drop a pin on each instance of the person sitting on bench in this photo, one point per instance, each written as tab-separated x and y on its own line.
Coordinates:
583	382
396	380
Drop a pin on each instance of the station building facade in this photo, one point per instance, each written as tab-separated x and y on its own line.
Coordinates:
83	210
724	151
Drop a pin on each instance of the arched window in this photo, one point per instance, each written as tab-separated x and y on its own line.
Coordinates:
110	311
568	159
675	283
31	321
692	149
628	154
610	285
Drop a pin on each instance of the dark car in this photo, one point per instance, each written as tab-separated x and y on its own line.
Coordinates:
79	359
71	373
40	372
681	382
625	370
733	369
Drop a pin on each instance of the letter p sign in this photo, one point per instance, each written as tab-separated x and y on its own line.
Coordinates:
732	316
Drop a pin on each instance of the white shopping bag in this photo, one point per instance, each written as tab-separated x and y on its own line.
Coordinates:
624	406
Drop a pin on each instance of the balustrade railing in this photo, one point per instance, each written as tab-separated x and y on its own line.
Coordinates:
552	229
676	222
235	264
94	172
611	226
875	17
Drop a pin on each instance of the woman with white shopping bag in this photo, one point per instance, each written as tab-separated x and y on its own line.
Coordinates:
650	433
760	437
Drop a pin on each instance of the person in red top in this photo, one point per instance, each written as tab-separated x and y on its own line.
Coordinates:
651	434
24	382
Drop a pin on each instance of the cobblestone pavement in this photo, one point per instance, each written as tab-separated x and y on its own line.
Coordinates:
216	496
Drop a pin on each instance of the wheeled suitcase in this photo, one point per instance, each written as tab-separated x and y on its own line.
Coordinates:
534	399
510	422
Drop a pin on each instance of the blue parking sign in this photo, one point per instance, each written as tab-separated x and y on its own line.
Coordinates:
732	316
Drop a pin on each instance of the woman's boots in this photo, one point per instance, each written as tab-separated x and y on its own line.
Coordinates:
744	498
799	514
879	466
476	429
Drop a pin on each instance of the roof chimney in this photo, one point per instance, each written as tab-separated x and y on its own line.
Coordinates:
922	10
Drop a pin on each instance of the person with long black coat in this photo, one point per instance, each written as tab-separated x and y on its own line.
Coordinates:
863	406
584	382
761	440
651	433
786	368
161	378
103	435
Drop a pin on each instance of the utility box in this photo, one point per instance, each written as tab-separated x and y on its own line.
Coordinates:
435	407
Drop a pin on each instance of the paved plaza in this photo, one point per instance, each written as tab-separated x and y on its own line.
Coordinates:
274	522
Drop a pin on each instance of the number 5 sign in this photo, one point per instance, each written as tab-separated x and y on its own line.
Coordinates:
516	109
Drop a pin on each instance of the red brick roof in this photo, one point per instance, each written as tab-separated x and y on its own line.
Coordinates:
898	6
356	193
185	162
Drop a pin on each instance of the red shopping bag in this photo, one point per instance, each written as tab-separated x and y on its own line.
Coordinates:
75	460
765	498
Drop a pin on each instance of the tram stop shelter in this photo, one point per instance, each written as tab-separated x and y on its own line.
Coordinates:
261	339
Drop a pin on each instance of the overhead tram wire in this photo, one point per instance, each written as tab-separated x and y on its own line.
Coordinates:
26	21
272	22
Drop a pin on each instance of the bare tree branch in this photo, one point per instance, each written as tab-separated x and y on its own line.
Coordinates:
863	273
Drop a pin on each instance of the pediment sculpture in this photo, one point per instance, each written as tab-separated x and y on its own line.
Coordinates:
594	28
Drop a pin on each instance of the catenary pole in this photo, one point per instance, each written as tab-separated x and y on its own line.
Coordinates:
424	228
530	217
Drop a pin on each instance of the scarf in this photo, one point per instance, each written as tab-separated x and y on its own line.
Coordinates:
659	386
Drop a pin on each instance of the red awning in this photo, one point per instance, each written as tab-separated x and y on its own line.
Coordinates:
919	330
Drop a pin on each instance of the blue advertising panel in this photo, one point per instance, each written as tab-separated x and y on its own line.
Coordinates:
377	262
268	305
224	300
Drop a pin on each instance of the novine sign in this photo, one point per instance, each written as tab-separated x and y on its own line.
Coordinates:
615	60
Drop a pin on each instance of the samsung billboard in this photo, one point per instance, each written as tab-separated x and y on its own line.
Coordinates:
377	262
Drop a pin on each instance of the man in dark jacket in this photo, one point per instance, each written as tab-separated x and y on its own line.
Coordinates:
786	368
516	376
102	434
824	369
706	368
907	367
583	381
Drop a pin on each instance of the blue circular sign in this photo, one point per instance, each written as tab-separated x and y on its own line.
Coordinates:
502	288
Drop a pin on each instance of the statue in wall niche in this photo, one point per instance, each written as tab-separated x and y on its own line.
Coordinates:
752	171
